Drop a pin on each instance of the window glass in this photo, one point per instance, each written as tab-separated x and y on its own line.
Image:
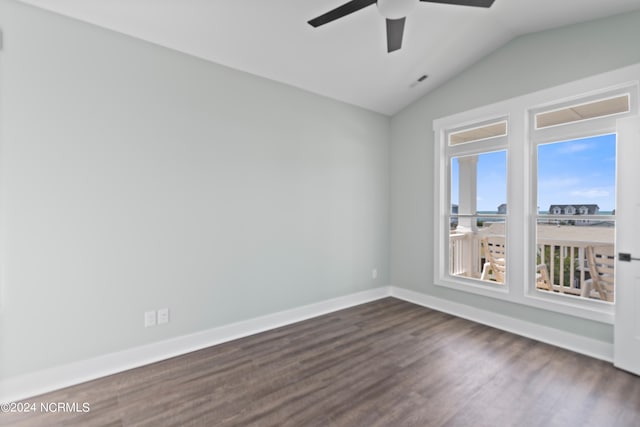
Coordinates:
477	217
576	222
483	178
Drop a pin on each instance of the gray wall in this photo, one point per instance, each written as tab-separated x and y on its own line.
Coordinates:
133	177
526	64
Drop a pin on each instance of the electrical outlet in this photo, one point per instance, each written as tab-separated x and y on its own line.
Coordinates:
374	273
163	316
149	318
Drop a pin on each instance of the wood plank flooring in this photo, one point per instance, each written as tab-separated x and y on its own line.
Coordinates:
386	363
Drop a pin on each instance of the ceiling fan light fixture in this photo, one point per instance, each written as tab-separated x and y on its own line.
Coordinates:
396	9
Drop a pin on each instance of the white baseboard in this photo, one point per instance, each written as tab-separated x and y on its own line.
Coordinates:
577	343
32	384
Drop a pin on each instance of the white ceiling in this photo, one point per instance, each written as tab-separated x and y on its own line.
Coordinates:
346	59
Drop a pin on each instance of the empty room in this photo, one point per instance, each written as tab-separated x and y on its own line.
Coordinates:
319	213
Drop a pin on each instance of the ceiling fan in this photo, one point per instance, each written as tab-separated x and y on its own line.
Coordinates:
395	12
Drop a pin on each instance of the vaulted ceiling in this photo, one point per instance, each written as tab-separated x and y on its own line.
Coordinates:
346	59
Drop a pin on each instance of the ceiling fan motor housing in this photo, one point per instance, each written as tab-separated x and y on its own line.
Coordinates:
396	9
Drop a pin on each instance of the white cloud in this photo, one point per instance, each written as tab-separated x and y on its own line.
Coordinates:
574	147
591	193
560	182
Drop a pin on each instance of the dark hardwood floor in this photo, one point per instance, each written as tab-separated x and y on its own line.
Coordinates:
386	363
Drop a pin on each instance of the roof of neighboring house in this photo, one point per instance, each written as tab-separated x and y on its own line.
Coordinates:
590	206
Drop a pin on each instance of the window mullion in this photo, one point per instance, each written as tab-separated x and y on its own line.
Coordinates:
517	196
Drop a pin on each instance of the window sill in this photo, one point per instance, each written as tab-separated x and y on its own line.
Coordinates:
570	305
593	310
474	286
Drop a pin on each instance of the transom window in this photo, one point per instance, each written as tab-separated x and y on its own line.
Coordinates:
478	133
584	111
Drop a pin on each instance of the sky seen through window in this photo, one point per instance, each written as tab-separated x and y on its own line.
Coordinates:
576	172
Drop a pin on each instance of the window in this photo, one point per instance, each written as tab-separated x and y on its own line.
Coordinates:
476	161
525	196
575	158
573	147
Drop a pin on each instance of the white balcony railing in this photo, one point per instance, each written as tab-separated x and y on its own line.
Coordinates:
456	254
561	248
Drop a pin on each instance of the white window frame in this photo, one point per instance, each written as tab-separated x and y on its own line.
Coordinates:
521	141
477	147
